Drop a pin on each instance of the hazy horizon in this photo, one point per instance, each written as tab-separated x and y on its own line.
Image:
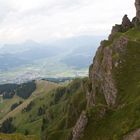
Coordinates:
54	38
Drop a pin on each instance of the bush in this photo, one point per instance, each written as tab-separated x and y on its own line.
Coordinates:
29	107
7	126
15	105
41	111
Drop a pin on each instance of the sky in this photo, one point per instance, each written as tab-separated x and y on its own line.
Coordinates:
43	20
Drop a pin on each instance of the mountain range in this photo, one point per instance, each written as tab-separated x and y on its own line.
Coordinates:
33	57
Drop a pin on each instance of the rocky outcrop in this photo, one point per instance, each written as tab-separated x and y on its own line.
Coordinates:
125	26
136	20
101	72
80	126
126	23
135	135
101	76
137	4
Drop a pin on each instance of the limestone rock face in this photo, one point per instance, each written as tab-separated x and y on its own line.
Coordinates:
102	81
101	72
80	126
101	76
137	4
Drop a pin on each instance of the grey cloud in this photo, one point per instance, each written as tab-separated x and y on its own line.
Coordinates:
43	19
49	9
4	10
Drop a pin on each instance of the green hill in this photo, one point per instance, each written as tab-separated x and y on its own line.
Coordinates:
42	88
54	109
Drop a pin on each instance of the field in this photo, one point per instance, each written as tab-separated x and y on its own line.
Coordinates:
43	68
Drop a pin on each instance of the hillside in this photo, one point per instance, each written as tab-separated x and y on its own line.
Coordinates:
51	107
42	88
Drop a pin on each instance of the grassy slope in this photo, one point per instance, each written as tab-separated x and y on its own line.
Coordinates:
61	112
16	137
66	112
125	118
43	87
6	105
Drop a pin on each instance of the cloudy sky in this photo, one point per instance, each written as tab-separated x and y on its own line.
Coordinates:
43	20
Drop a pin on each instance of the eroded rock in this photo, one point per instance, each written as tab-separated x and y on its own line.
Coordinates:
135	135
80	126
101	72
126	23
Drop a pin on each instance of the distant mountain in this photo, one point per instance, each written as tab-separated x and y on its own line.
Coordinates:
65	56
80	57
29	50
78	41
9	61
15	55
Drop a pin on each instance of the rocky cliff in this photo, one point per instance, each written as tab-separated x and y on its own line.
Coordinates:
108	84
